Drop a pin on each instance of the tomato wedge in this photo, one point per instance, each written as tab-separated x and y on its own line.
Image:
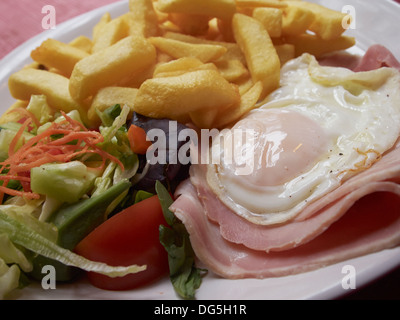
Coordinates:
129	237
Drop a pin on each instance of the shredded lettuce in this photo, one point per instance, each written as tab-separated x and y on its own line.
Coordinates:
39	107
109	132
116	143
10	254
26	212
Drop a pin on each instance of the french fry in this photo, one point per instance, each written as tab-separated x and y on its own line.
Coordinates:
111	66
192	24
231	70
202	119
213	32
83	43
179	49
225	30
61	56
261	3
109	34
271	19
140	77
27	82
316	46
262	59
163	57
247	103
244	84
180	66
96	32
327	23
285	52
108	97
223	9
296	20
176	97
233	50
144	19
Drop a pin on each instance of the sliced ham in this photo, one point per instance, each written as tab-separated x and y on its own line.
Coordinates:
372	224
377	56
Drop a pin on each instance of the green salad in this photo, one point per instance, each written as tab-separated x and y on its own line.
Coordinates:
61	181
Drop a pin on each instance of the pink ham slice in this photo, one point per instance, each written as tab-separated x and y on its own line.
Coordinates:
372	224
377	56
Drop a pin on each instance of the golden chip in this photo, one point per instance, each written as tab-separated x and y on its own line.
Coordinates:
192	24
109	34
223	9
308	43
179	49
247	102
96	32
261	3
327	23
61	56
83	43
296	20
262	59
180	66
285	52
111	66
27	82
176	97
231	70
233	51
271	19
143	18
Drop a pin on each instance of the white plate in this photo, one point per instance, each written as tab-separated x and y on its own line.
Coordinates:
375	23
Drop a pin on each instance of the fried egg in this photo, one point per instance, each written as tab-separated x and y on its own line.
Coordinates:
320	128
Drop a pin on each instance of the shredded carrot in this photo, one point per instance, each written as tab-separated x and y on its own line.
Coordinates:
12	192
61	142
14	141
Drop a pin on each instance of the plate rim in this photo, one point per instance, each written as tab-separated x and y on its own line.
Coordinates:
16	58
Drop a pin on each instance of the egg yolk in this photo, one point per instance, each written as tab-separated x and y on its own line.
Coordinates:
275	146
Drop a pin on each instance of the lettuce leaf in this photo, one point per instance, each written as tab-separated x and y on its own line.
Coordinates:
10	254
184	275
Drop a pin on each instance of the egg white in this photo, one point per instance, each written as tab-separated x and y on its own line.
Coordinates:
357	118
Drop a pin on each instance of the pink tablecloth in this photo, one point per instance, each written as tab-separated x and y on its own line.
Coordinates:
22	19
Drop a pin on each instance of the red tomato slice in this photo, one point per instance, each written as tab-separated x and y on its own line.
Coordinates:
129	237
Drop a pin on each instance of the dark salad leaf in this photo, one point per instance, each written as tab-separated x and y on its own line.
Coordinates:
184	275
169	173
